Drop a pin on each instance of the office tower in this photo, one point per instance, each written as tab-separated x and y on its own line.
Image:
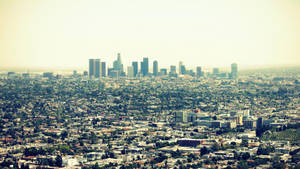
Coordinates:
163	72
48	75
97	68
85	73
141	66
119	58
199	71
130	72
145	66
109	72
103	69
91	67
155	68
135	68
180	67
215	71
117	64
234	70
120	63
115	74
190	72
172	69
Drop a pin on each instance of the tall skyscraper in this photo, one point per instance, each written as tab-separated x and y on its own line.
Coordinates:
109	72
119	58
135	68
180	67
130	72
120	63
103	69
182	70
141	67
163	72
145	66
85	73
115	74
97	68
234	70
117	64
172	69
199	71
91	67
155	68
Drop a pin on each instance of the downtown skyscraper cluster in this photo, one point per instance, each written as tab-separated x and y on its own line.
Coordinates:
97	69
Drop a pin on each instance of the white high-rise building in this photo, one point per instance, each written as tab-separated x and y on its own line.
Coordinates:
130	71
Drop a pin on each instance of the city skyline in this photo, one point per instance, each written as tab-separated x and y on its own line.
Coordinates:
96	70
211	34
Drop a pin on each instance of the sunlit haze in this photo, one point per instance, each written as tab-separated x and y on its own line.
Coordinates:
66	33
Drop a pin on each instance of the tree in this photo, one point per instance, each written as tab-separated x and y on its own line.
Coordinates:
24	166
93	138
31	151
64	135
242	165
96	166
244	143
58	161
203	151
246	156
278	165
215	147
265	150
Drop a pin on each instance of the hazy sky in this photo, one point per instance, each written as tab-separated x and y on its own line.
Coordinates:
66	33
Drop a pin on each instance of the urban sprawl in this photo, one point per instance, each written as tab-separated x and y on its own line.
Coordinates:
168	118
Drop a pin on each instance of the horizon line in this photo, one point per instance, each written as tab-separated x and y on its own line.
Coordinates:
72	68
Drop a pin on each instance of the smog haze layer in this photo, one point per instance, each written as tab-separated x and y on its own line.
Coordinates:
66	33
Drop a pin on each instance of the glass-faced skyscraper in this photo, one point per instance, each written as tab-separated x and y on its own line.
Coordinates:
97	68
234	70
103	69
117	64
145	66
172	69
199	71
180	67
135	68
155	68
91	67
120	63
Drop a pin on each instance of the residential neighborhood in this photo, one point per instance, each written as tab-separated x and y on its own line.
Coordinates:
150	122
